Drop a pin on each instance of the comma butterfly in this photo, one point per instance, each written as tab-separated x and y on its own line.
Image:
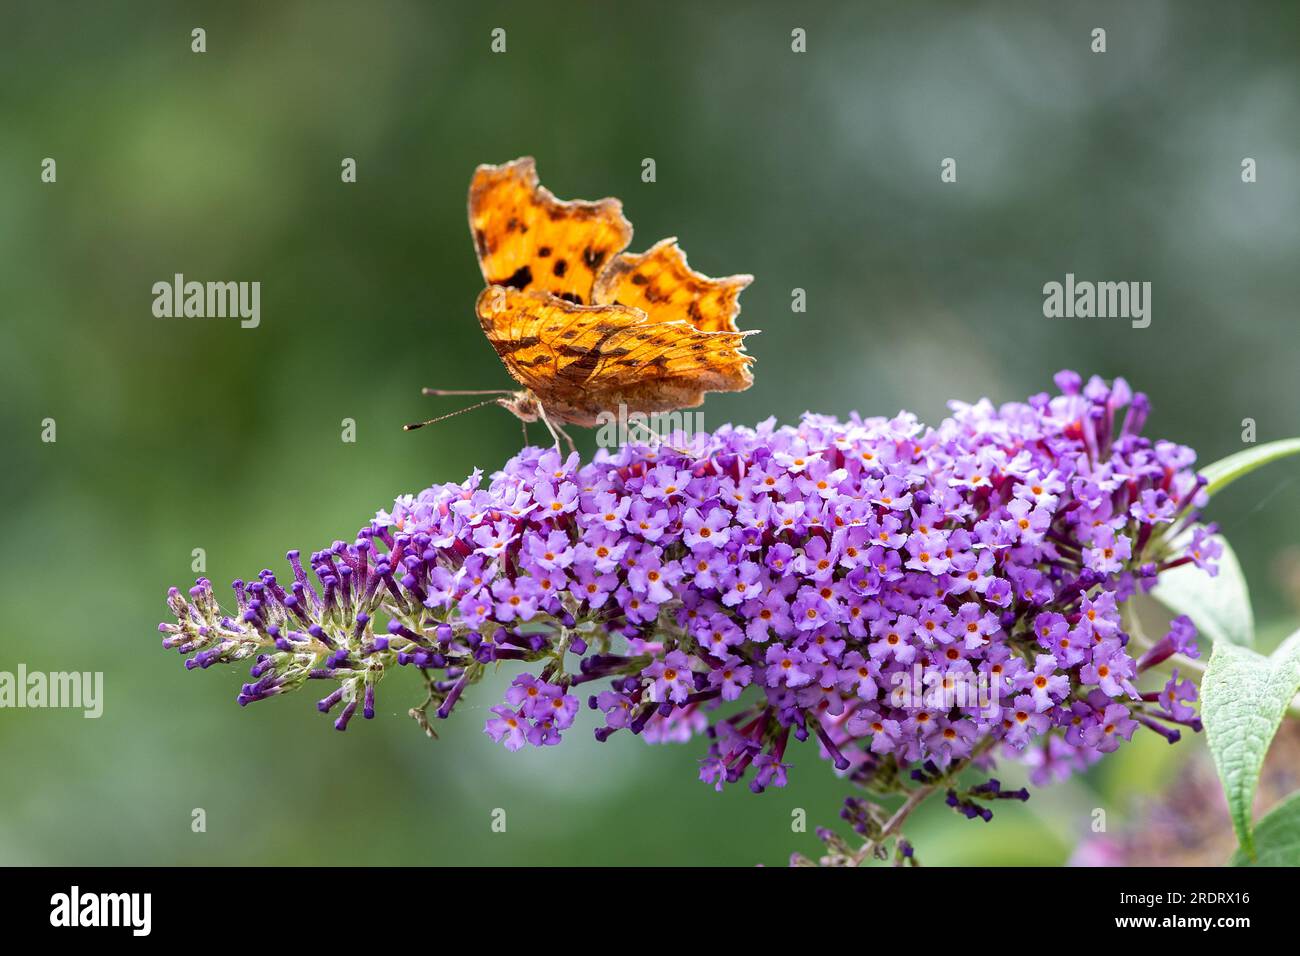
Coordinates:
584	326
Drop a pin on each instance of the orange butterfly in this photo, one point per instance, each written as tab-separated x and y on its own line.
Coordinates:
584	326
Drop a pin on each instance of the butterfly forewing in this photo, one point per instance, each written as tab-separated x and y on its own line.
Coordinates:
526	239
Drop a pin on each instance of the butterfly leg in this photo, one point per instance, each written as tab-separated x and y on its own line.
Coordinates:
556	431
568	440
480	391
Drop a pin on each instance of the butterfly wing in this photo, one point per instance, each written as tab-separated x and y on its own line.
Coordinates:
581	360
527	239
661	284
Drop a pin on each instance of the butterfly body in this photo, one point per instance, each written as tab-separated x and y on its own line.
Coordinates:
582	325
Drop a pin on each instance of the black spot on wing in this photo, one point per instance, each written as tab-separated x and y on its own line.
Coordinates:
560	267
521	278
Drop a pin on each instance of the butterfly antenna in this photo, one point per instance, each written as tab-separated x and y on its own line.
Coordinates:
448	391
414	426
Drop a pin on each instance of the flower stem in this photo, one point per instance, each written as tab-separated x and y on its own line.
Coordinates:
894	825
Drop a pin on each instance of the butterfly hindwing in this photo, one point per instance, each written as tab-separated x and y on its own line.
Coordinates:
661	284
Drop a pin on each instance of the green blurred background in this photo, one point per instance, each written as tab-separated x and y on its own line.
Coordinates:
818	171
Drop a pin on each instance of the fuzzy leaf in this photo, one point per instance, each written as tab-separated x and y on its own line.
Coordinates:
1243	698
1277	838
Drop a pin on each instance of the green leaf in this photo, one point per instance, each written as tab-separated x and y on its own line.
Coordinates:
1218	606
1243	698
1225	471
1277	838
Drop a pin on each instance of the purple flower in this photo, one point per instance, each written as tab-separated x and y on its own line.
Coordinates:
1109	669
1110	552
552	552
561	709
1025	721
706	531
847	581
1176	698
1181	639
616	707
1182	636
1204	549
554	500
647	521
508	727
670	678
1044	685
515	600
786	667
731	678
1109	727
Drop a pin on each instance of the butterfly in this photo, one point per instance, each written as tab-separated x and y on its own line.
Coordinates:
584	326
